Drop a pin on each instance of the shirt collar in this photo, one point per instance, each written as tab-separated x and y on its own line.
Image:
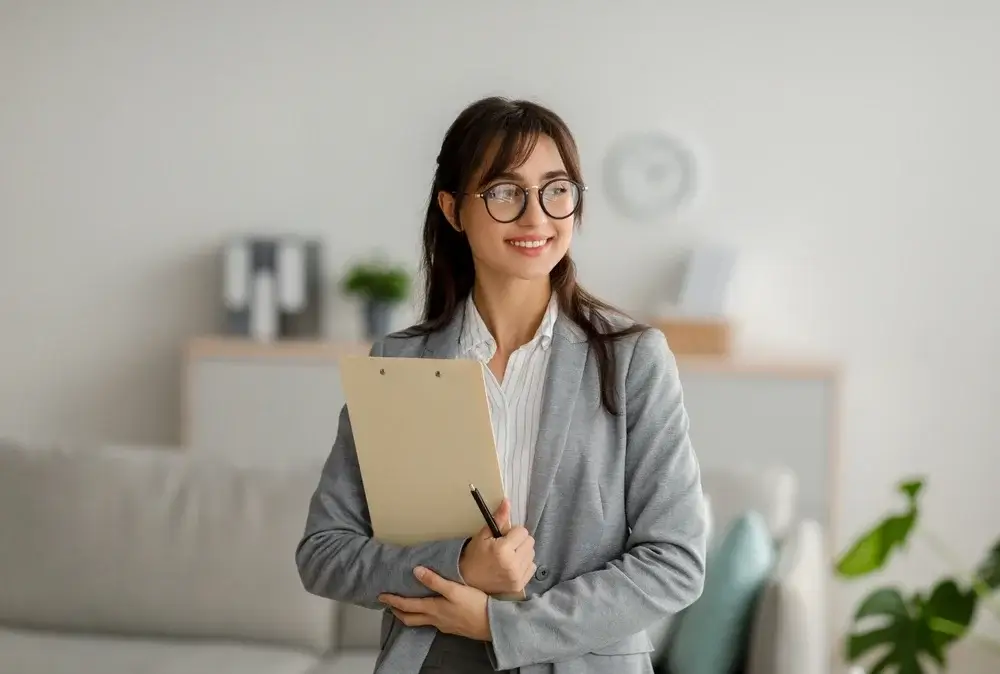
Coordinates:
476	339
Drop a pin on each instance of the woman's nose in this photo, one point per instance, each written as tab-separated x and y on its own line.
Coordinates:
534	215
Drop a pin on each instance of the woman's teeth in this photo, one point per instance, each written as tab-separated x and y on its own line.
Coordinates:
529	244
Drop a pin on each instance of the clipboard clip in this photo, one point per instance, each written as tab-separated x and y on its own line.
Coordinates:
437	373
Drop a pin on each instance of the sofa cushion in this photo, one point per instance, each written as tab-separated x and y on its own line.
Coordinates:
28	652
155	542
360	627
789	632
710	637
348	661
772	492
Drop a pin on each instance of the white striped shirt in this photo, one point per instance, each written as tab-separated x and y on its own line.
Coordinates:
516	402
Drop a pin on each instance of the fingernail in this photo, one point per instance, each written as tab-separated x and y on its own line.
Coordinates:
419	572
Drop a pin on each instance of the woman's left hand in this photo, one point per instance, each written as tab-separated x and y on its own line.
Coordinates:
459	609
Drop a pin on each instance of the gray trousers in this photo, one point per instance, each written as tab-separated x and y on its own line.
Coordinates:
450	654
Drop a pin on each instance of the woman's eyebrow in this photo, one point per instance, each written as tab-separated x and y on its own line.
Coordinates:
548	175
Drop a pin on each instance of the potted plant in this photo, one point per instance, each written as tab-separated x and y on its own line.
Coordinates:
380	286
912	632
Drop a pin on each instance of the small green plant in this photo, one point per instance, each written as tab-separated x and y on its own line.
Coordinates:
378	282
911	632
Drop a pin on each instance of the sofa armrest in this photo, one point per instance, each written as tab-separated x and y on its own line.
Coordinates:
789	632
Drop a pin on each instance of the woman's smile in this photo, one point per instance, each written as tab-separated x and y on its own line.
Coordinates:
532	246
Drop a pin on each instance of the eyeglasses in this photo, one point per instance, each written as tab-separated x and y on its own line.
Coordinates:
506	202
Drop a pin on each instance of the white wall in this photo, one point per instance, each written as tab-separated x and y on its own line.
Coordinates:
853	148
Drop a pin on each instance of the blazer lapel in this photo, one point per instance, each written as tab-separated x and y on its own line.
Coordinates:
562	387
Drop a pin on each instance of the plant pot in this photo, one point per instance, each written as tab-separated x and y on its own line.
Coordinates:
378	317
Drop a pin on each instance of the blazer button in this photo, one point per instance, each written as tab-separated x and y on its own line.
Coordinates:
541	573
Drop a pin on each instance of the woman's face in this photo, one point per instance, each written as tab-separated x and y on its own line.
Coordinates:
532	243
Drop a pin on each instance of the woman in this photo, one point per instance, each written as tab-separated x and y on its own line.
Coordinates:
605	517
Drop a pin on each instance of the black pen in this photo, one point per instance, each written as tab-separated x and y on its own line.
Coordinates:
487	515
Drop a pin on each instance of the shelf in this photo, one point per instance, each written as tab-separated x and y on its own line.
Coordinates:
224	348
221	347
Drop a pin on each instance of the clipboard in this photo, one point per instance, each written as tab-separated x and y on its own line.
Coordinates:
423	433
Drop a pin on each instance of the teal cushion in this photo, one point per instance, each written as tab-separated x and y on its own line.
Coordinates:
711	636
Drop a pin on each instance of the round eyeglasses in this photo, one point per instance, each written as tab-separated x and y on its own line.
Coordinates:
506	202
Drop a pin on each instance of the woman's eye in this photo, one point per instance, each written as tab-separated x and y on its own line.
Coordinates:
502	193
557	190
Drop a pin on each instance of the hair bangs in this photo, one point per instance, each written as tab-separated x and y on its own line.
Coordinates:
512	146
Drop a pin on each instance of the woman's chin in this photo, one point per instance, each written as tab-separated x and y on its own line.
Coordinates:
533	271
533	265
515	266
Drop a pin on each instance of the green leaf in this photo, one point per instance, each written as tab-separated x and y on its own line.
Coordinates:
887	601
988	571
871	551
949	611
911	489
377	281
909	633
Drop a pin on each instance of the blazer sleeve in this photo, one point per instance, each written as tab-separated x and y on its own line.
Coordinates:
663	568
337	556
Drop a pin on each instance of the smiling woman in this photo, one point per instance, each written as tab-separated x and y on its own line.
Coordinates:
512	235
604	506
482	227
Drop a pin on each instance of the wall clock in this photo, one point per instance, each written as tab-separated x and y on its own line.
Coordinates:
649	175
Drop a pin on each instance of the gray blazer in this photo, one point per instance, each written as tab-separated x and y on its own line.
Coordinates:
615	505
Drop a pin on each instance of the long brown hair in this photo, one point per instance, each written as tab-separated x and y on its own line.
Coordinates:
509	129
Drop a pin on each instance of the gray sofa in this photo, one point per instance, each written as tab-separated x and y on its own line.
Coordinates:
129	560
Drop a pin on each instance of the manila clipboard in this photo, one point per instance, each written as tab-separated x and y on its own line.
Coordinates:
422	432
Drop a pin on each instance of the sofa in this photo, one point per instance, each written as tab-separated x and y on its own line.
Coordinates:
155	560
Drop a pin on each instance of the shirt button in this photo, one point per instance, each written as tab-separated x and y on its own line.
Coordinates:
541	573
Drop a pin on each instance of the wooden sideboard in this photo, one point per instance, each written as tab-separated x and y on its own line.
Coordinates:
279	404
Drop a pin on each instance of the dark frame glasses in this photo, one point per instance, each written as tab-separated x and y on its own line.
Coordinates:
541	189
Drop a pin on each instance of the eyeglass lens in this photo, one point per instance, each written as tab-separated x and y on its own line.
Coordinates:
506	202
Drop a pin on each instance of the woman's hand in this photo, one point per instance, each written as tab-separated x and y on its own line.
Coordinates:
459	609
499	565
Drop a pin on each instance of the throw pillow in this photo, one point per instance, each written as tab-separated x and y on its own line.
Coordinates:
711	636
789	632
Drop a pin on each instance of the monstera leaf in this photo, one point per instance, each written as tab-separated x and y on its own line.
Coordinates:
872	550
908	634
988	572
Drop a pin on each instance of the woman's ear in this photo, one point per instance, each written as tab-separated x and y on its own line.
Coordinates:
446	202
